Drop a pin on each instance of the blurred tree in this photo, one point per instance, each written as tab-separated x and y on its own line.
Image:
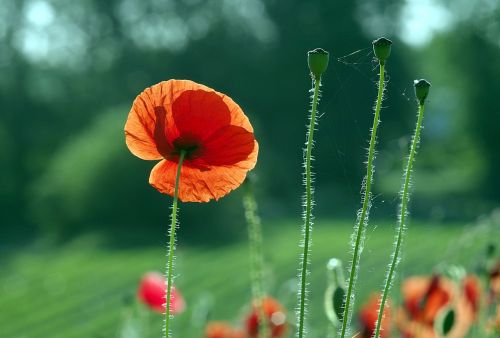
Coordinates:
64	64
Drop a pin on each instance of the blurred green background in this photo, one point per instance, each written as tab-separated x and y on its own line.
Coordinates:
69	71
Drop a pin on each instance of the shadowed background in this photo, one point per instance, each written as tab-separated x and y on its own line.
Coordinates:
70	71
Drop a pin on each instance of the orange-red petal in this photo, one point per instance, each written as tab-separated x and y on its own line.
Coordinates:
152	292
368	316
142	121
227	146
201	184
171	113
222	330
275	316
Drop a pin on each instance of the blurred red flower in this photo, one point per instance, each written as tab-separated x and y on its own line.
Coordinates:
368	318
275	316
181	115
471	288
222	330
423	300
494	281
152	292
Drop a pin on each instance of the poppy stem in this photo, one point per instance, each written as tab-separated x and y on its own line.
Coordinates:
362	221
401	227
171	247
256	255
308	208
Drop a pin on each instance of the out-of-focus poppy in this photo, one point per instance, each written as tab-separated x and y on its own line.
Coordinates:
493	324
216	136
152	292
275	317
424	300
222	330
494	282
471	288
368	318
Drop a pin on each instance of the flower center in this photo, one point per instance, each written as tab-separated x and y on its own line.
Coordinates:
190	144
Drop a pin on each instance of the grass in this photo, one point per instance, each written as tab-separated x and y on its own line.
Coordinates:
83	289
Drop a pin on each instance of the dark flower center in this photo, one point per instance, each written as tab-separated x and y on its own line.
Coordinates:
188	143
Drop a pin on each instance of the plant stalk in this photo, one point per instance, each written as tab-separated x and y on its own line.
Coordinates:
363	216
171	247
256	256
308	208
405	197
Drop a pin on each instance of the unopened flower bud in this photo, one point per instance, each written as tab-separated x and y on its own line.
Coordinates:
421	90
317	60
382	49
335	292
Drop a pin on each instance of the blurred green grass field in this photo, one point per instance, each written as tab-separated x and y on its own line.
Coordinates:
80	289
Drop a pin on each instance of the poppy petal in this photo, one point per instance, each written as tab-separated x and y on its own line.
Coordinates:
180	115
150	122
229	145
200	112
201	184
141	126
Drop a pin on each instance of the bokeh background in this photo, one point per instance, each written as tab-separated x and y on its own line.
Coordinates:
69	71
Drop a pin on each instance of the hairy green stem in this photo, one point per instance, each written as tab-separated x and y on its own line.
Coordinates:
171	247
256	256
308	207
405	197
363	216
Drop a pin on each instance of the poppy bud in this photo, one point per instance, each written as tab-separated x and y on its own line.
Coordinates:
382	49
421	90
317	60
335	293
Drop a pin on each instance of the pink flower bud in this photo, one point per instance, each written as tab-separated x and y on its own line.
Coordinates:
152	292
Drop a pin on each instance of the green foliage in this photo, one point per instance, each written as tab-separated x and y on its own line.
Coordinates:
101	54
94	183
80	183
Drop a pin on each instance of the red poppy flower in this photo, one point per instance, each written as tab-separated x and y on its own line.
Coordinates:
152	292
368	318
222	330
275	317
216	136
424	298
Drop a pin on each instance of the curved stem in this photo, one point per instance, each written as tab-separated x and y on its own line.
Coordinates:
171	247
308	207
405	197
256	256
361	223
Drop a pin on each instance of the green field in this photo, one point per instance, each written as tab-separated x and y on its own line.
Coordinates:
80	289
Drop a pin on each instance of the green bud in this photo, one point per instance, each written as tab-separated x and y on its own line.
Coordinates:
334	302
317	60
382	49
421	90
455	272
335	292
